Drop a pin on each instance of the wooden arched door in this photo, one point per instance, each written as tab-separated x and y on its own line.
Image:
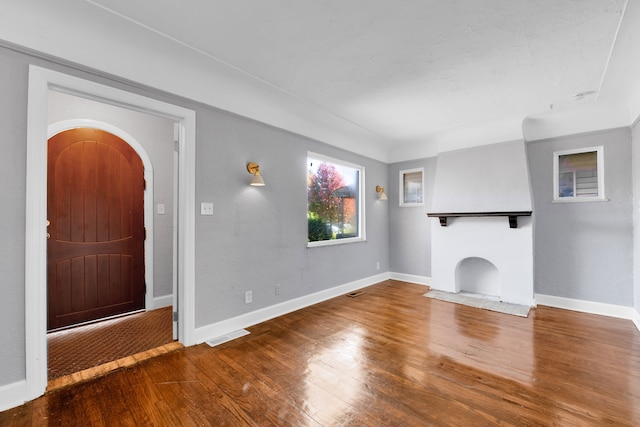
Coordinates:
96	227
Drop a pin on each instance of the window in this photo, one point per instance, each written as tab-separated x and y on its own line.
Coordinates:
411	185
578	175
334	201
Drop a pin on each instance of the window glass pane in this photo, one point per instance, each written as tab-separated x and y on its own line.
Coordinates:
412	187
578	175
333	200
565	184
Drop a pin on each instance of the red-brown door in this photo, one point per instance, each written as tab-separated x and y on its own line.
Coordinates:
96	227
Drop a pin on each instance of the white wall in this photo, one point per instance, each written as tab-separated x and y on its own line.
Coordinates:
510	250
491	178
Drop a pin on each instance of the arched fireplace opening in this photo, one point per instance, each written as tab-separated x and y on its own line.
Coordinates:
478	276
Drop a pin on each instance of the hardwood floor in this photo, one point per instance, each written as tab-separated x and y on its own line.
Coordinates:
389	357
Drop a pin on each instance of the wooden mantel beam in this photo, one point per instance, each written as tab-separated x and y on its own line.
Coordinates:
513	216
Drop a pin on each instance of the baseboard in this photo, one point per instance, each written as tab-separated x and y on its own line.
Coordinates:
227	326
163	301
611	310
411	278
636	319
12	395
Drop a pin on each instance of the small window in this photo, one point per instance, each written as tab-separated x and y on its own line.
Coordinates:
334	201
411	187
578	175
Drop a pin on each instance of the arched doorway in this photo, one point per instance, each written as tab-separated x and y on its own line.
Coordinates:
40	82
96	228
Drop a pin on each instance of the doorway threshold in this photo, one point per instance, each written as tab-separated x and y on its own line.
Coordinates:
106	368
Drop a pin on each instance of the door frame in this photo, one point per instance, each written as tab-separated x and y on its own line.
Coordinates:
63	125
42	80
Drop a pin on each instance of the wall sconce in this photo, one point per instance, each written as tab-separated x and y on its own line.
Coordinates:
254	169
382	195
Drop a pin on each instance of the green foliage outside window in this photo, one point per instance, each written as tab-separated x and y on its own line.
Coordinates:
332	201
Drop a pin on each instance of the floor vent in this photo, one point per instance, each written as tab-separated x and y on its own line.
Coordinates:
229	337
355	294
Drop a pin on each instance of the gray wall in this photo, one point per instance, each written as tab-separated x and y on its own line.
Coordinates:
409	226
155	135
584	250
13	128
635	150
581	250
256	238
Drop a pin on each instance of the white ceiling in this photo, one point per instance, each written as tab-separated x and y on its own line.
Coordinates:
386	73
402	69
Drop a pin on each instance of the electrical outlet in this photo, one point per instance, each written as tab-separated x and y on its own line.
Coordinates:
377	266
278	289
206	208
248	297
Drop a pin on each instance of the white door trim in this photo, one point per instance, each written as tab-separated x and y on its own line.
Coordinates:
41	81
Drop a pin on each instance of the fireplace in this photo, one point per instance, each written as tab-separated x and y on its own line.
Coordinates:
482	229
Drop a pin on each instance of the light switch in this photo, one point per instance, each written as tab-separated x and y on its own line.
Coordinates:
160	209
206	208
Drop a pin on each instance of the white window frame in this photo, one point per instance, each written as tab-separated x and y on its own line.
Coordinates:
361	201
402	201
599	150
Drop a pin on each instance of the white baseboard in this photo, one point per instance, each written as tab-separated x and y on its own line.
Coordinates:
227	326
12	395
611	310
163	301
411	278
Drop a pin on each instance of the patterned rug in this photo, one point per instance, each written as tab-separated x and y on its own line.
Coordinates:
478	301
83	347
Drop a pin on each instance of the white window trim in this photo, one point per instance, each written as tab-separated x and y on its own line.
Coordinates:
361	215
556	175
402	203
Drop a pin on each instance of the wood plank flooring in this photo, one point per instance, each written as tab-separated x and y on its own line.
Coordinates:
389	357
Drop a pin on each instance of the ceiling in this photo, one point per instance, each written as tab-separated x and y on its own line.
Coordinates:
401	69
399	72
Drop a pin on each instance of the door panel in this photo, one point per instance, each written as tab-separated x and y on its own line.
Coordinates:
96	214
